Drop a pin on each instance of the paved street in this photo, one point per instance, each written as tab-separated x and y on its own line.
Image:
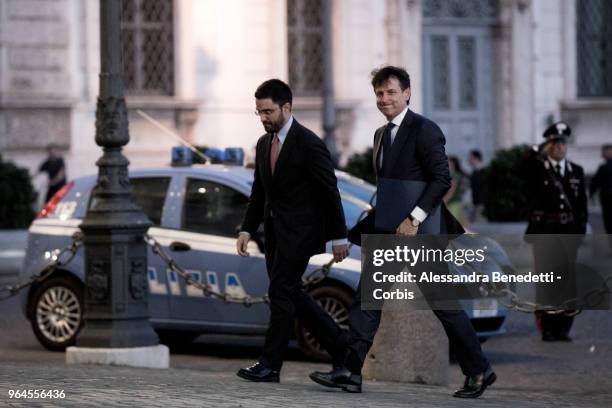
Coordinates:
531	373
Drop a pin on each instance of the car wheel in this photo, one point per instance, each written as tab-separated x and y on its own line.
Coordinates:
336	301
57	312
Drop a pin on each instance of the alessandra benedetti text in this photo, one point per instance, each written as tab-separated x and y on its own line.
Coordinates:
474	277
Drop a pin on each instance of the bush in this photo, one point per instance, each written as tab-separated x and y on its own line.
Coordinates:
17	196
504	179
360	165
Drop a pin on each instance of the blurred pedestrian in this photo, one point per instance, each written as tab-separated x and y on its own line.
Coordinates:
477	184
602	183
558	209
459	186
55	168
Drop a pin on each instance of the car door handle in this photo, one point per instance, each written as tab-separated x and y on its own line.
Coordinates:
178	246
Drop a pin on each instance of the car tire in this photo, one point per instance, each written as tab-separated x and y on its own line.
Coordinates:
336	301
57	312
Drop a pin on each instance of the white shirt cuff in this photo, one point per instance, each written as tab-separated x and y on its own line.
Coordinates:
245	233
418	214
336	242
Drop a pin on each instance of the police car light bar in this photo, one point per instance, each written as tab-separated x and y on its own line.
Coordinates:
182	156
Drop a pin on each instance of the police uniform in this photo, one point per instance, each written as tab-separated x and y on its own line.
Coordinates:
558	206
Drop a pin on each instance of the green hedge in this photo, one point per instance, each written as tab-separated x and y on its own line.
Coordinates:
504	179
17	196
360	165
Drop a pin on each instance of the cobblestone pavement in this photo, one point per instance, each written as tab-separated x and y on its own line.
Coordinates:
201	387
531	374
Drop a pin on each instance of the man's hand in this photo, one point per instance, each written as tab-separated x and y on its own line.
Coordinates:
340	252
406	228
242	243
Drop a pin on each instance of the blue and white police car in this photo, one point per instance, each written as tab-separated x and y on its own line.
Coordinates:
196	212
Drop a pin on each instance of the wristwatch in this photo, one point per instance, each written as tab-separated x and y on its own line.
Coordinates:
415	222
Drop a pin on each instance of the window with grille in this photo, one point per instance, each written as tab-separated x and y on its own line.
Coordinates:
461	9
594	48
148	49
305	43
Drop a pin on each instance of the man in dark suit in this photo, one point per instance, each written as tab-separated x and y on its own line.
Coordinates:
409	147
296	197
602	183
558	208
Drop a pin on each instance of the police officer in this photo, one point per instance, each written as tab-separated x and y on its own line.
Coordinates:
558	206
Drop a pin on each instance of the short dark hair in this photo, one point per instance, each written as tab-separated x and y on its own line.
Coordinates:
606	147
476	154
275	89
383	74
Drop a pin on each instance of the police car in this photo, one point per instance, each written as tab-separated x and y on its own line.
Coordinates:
196	212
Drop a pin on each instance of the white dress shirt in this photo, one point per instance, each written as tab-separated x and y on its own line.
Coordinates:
561	163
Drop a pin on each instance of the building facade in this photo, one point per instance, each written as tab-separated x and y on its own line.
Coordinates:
491	73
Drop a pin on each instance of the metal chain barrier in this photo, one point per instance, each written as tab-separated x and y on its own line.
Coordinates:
64	256
205	288
570	307
59	258
312	278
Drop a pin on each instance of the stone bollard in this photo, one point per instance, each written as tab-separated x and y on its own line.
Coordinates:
410	346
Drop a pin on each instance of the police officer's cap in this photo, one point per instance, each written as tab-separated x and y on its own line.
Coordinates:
559	130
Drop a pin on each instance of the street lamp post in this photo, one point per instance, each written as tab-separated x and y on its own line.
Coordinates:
329	107
116	286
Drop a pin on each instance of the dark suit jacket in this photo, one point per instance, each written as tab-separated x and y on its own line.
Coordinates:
602	181
301	202
417	154
547	198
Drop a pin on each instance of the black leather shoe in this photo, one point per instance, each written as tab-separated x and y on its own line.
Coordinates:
548	336
259	373
476	385
339	377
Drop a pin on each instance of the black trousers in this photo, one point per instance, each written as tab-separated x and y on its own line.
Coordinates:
556	253
461	336
289	300
606	209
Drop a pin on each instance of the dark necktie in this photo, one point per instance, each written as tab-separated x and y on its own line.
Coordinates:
386	144
558	169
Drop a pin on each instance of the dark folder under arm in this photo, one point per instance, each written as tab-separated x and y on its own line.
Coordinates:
395	200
